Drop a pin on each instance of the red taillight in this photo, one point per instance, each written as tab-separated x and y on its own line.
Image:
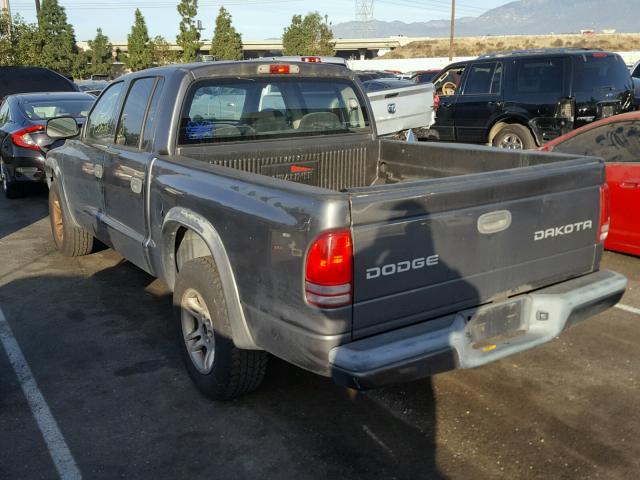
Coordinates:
22	138
279	68
312	59
330	270
599	55
436	102
605	213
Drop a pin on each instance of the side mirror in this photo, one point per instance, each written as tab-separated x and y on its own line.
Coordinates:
62	128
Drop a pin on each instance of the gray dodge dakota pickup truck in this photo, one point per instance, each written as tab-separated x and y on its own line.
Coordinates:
261	194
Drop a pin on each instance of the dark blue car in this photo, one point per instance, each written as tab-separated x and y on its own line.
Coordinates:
23	141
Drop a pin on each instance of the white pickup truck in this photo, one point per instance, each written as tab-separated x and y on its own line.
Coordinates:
401	109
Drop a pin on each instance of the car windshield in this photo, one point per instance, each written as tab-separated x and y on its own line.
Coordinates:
257	108
601	72
43	110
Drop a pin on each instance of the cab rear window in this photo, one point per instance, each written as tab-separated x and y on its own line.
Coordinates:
259	108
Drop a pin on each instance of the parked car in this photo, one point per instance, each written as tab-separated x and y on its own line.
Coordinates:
635	70
93	87
524	99
23	140
32	79
616	140
424	76
300	233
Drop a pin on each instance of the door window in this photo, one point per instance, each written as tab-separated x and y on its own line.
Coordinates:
448	82
535	76
102	119
4	113
135	108
483	79
152	115
615	142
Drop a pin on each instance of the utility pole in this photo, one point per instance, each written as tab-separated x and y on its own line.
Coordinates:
453	21
7	9
38	9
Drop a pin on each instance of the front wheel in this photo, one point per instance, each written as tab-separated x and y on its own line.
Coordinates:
514	137
219	369
70	240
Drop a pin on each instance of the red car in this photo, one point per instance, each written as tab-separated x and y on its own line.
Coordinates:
617	140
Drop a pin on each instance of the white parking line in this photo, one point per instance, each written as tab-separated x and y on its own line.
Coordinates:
58	449
627	308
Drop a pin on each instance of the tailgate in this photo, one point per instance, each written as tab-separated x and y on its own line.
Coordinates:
402	108
419	251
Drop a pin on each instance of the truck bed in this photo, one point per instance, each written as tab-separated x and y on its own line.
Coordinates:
343	164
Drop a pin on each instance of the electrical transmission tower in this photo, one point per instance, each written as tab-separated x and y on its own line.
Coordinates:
364	17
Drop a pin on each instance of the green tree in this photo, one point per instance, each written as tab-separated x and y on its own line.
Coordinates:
140	54
27	46
6	40
100	54
189	36
162	52
227	42
57	40
308	36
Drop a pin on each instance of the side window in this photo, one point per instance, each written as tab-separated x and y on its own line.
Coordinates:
482	79
152	115
448	82
4	112
135	107
102	119
617	142
535	76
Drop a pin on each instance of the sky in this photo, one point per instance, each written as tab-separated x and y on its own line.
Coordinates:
254	19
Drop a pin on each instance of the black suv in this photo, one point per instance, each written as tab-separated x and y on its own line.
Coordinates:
523	99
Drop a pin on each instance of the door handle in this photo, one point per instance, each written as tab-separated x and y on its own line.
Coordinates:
631	183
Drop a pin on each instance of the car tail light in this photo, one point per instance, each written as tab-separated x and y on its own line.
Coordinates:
22	138
329	272
311	59
599	55
605	213
436	102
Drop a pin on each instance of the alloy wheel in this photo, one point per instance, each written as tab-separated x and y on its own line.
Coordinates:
197	330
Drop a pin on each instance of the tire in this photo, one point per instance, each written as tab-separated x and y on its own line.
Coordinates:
515	137
219	369
70	240
11	189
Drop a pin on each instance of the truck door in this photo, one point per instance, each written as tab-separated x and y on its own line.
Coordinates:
125	169
82	164
479	102
446	87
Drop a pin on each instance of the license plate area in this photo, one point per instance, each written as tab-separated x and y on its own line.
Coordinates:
493	324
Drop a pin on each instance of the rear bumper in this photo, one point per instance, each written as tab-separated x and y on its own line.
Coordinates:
452	342
26	168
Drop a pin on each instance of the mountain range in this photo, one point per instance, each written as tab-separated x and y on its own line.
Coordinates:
523	17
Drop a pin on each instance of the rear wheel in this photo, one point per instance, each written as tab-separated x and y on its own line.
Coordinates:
219	369
11	188
514	137
70	240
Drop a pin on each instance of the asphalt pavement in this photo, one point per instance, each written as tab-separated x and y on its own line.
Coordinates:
96	340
